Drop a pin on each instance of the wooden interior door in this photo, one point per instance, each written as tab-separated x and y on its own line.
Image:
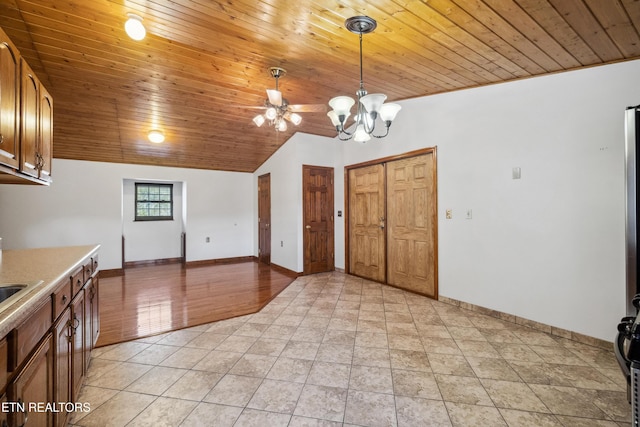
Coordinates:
264	219
317	189
367	257
412	225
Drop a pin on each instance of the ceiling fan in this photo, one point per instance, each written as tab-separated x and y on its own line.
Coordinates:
278	110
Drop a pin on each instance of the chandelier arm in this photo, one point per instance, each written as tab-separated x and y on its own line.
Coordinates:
344	132
372	116
381	136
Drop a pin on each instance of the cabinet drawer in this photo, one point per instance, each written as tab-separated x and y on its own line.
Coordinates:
25	337
61	298
77	280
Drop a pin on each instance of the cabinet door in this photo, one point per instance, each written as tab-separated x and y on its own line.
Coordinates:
95	312
29	124
9	102
92	317
45	143
62	341
33	385
78	326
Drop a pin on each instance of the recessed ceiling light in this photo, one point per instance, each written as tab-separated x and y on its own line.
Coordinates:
156	136
134	27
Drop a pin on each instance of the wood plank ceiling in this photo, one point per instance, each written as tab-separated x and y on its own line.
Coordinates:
203	61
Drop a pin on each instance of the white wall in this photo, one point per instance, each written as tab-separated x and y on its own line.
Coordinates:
548	247
151	240
84	206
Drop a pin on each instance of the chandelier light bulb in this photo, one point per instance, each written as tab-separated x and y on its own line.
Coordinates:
134	27
361	135
282	125
342	105
388	112
373	102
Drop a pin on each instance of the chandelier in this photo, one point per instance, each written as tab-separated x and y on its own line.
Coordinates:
370	107
277	108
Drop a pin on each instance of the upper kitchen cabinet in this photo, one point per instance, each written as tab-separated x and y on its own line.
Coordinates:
45	138
9	102
26	120
36	131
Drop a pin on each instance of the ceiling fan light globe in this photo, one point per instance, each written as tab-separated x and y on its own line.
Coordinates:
271	113
281	126
388	112
342	105
275	97
259	120
295	118
373	102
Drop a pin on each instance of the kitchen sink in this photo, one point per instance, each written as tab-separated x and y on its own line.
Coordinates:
6	291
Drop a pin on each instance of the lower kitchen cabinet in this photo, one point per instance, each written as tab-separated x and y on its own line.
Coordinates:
78	330
62	338
92	317
44	358
32	388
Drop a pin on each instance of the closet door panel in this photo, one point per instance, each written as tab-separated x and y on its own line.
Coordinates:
411	222
366	222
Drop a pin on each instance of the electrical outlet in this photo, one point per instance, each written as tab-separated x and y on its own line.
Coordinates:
281	243
449	214
469	214
207	239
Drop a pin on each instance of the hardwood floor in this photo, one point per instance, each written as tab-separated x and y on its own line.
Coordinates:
149	300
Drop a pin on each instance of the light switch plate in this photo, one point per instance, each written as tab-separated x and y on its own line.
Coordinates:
515	173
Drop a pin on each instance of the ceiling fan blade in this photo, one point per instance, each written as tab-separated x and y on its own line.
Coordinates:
250	107
275	97
308	108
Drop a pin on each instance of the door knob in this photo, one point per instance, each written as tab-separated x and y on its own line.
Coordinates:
308	226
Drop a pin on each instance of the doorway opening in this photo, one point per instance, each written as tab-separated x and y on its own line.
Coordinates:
264	219
318	232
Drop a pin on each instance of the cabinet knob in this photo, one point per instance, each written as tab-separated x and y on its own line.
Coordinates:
64	299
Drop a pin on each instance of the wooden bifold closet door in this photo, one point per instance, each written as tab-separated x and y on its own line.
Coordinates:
393	223
366	222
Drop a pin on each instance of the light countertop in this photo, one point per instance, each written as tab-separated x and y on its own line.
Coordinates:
41	269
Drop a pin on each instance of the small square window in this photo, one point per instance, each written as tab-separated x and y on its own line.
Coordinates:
154	202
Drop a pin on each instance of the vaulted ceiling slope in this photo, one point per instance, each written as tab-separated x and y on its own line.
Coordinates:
203	62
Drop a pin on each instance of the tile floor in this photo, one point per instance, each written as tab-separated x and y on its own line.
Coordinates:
335	350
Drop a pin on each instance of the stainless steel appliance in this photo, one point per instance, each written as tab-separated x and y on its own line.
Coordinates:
627	343
627	350
632	153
